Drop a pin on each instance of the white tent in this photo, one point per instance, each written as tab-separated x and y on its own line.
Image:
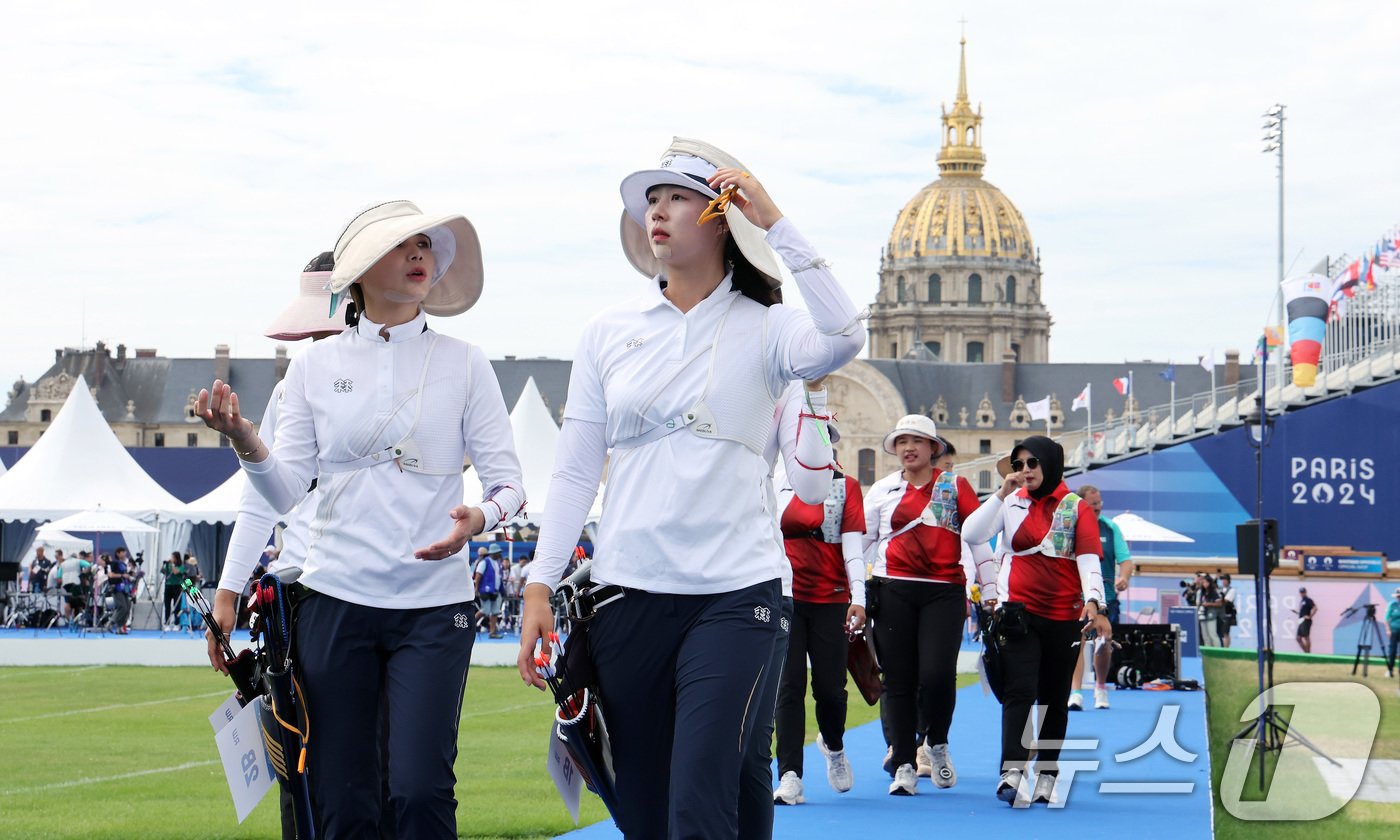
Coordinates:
219	504
78	464
1137	529
536	439
56	538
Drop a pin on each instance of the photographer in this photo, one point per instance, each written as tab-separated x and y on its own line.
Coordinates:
173	571
1392	620
1228	603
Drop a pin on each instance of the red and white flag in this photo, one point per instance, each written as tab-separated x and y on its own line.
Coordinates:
1123	385
1081	401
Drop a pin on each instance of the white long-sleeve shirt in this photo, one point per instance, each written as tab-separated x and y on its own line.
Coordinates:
684	514
356	394
256	518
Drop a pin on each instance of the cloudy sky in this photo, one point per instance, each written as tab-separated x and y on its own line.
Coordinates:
168	169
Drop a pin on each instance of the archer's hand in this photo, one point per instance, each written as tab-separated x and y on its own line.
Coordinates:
218	408
536	623
467	523
751	198
225	612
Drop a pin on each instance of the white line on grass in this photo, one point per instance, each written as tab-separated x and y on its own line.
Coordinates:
100	779
515	708
115	707
27	671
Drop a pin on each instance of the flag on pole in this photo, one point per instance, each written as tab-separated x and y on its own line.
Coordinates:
1040	409
1168	375
1123	385
1081	401
1208	361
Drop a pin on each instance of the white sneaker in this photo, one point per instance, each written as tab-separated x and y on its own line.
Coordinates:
944	776
906	781
789	790
1076	702
838	769
1044	789
1101	698
1009	785
923	761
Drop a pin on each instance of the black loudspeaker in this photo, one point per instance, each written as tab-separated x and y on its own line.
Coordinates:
9	572
1247	546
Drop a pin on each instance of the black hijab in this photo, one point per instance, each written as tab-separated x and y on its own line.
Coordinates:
1052	463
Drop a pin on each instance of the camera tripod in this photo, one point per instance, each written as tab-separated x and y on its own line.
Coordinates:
1370	635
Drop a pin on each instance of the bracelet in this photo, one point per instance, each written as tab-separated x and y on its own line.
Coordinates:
246	455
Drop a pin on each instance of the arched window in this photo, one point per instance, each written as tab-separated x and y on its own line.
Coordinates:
971	138
865	473
974	352
935	289
974	289
899	289
1010	289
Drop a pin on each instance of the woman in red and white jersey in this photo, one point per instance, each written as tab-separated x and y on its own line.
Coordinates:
916	600
823	545
1050	586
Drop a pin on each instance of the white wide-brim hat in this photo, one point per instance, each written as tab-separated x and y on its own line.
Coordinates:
917	425
379	229
307	314
690	163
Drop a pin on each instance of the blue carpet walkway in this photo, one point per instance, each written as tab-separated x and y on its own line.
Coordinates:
1094	804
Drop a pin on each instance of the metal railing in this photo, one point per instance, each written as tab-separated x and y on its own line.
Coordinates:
1361	348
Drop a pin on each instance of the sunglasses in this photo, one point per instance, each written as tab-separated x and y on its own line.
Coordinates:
1028	464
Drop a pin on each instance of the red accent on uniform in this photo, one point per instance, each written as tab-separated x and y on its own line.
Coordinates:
1049	586
818	569
927	552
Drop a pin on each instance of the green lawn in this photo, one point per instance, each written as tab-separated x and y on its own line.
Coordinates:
122	752
1232	686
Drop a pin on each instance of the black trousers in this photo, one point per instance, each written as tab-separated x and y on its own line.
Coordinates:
756	777
418	658
680	677
918	632
172	602
1037	668
818	635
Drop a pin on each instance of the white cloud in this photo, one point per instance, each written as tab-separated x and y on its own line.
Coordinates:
169	167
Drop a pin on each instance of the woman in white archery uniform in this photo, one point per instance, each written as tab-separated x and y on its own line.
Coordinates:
681	385
382	417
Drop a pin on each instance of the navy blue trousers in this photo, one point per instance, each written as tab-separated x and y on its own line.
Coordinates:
756	783
681	678
418	658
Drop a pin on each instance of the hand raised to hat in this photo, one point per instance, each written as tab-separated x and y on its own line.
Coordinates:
217	406
751	197
467	523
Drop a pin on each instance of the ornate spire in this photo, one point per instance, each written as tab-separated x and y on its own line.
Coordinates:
961	154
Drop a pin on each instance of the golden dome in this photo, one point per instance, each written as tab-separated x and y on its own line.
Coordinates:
961	214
